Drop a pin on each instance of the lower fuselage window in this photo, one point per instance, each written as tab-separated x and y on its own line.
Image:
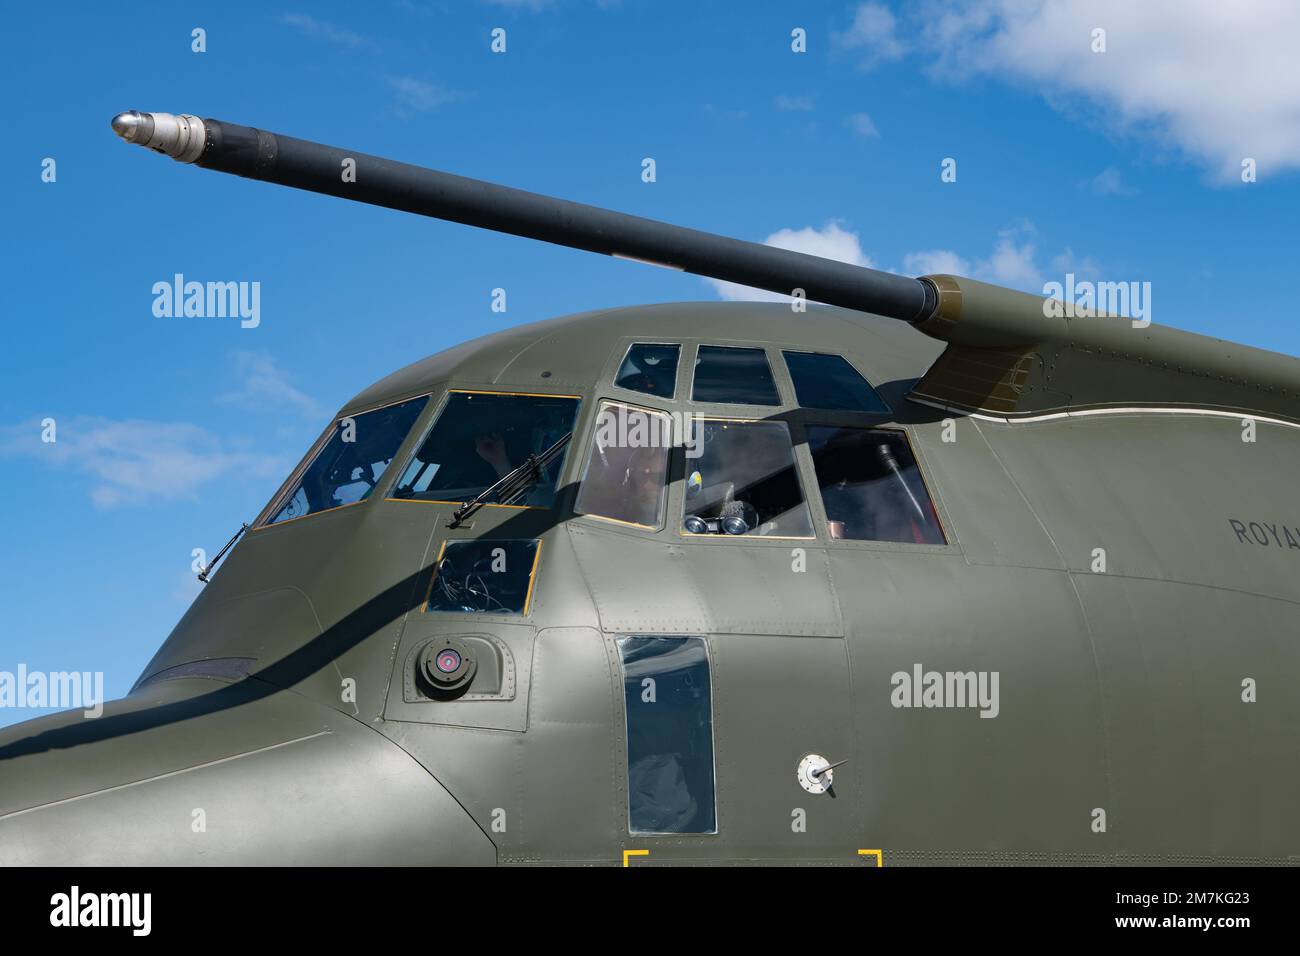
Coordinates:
491	577
871	486
625	476
669	706
744	481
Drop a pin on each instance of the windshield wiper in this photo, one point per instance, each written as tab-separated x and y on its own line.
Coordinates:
203	575
512	484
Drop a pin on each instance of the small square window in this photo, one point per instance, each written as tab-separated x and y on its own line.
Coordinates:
649	368
734	376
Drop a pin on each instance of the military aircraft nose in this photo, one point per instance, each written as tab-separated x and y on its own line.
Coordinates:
198	772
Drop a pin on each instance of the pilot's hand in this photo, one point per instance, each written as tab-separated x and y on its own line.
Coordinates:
493	451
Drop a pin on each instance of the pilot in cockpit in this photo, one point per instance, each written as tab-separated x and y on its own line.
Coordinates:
492	449
625	483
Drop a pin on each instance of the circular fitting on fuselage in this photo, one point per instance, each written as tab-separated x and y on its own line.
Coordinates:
447	665
814	774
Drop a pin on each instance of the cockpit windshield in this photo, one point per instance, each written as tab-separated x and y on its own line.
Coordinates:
350	463
479	437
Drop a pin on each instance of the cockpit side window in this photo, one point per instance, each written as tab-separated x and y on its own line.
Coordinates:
351	462
733	376
744	481
871	486
480	437
649	368
628	465
830	382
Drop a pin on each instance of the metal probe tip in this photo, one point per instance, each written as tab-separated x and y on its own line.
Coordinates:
127	125
181	137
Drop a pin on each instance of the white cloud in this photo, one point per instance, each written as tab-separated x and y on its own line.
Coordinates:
1011	263
1109	182
1084	267
936	262
321	30
263	384
422	97
873	35
1217	81
795	103
133	461
863	125
829	242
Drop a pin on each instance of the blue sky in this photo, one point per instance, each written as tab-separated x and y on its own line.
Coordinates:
1121	165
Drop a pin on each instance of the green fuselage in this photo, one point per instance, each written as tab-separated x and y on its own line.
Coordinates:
1096	667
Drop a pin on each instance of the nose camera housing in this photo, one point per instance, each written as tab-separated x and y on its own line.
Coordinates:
447	667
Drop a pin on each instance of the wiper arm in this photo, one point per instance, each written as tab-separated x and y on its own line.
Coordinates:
512	484
203	575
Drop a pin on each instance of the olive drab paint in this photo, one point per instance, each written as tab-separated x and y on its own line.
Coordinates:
1067	674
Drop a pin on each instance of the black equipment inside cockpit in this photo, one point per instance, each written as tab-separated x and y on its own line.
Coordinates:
491	577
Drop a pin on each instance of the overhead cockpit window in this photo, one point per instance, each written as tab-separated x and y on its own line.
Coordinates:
829	381
649	368
669	707
626	471
491	577
480	437
734	376
744	482
351	462
871	487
